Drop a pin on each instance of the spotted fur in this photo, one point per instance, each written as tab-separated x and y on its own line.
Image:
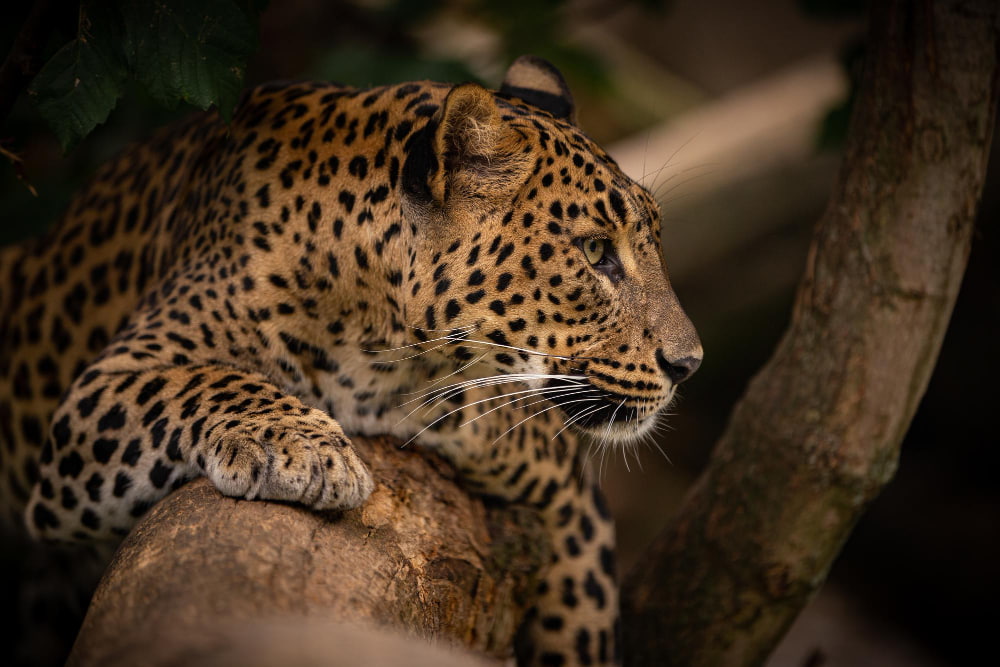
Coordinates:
419	259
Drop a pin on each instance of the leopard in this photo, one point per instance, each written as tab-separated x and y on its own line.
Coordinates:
460	268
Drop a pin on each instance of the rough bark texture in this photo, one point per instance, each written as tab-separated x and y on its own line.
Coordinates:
205	577
817	434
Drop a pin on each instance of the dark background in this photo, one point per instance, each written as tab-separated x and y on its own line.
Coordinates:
917	582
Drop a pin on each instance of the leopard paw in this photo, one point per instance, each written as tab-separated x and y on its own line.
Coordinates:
289	458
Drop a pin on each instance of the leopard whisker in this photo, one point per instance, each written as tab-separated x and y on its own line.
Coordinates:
631	446
580	415
611	422
460	370
416	328
668	161
531	416
708	166
504	378
414	356
472	327
531	393
645	153
460	408
430	395
450	337
444	393
665	193
490	343
440	397
604	452
590	442
543	391
652	441
564	395
551	407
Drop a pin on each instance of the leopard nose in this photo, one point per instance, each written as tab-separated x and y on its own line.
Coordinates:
677	370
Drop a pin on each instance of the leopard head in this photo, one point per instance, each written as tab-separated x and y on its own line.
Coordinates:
538	257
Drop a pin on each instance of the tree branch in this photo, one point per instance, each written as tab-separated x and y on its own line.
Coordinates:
205	577
817	434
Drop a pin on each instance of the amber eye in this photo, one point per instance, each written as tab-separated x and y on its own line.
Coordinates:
593	249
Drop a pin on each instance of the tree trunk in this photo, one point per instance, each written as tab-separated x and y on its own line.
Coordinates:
817	434
212	579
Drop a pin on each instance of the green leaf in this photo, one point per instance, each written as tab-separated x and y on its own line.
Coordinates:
190	50
80	85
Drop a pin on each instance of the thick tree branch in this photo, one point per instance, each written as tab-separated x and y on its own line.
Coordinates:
817	434
209	578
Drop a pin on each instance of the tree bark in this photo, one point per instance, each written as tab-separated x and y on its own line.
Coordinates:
817	434
212	579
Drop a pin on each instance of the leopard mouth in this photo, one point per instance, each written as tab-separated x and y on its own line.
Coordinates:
600	412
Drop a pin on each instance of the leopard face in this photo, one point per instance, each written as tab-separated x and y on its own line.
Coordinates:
540	258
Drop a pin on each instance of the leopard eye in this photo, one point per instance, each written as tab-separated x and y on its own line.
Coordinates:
593	250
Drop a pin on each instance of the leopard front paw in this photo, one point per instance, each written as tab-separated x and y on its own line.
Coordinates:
288	458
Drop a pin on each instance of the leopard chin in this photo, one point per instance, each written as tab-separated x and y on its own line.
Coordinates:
614	418
623	434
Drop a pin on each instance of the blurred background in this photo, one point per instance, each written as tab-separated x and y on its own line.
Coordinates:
733	113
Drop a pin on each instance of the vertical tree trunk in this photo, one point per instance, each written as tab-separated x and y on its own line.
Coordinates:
817	434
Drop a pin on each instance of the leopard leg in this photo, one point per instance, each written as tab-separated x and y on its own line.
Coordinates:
123	439
575	618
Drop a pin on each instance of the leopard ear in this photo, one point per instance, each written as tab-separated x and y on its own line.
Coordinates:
470	125
539	83
477	149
